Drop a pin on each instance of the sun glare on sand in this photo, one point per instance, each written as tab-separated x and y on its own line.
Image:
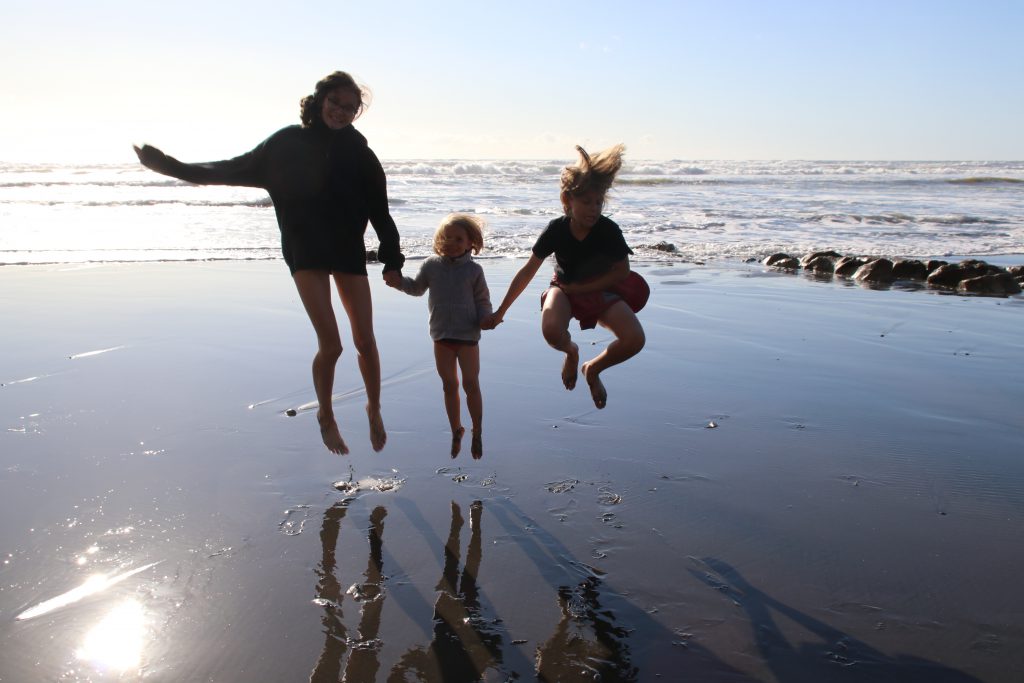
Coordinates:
116	642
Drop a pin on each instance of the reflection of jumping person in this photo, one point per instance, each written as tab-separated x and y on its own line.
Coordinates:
458	301
593	282
466	646
326	183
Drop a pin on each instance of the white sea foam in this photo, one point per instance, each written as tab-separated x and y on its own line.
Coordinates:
706	209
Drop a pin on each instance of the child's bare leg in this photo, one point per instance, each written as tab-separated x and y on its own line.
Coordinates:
355	297
629	340
554	323
446	360
469	364
315	292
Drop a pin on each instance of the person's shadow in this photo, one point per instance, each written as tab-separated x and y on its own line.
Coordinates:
837	656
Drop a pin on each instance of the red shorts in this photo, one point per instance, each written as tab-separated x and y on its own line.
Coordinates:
587	308
454	344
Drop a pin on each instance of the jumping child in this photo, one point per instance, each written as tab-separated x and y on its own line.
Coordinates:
458	302
592	281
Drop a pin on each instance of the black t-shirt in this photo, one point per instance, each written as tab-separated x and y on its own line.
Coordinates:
579	260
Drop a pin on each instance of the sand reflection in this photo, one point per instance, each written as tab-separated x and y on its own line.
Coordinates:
468	640
91	586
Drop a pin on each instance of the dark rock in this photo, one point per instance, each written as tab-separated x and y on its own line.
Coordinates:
998	284
879	270
848	265
934	264
1015	271
823	265
951	274
909	269
664	246
784	261
976	268
371	255
830	255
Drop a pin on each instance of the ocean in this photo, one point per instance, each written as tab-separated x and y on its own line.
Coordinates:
706	210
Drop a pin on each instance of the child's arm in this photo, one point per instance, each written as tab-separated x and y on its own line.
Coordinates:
414	287
515	288
482	296
616	274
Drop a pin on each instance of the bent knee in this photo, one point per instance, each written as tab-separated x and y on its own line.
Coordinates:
330	349
365	346
450	386
554	334
635	341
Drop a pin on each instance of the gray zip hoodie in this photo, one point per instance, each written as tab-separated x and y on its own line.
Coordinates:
458	299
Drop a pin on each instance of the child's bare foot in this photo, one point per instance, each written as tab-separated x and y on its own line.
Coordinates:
476	448
378	437
572	359
597	390
331	436
457	441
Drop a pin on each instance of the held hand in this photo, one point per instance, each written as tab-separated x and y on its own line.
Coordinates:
393	278
491	321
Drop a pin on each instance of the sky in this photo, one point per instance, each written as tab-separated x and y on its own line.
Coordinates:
715	79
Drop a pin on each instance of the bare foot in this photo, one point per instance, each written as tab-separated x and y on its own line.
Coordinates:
378	437
597	390
476	449
457	441
572	359
331	436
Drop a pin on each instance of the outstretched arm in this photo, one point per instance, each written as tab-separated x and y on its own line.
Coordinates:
515	288
242	170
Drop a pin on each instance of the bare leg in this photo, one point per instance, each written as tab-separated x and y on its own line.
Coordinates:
445	360
629	339
554	323
469	363
315	291
355	297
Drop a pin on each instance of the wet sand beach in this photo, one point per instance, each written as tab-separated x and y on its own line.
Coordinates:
797	480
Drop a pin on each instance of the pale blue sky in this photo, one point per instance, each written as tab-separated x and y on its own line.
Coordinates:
685	80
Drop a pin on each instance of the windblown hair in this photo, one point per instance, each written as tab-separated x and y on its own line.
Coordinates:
593	173
311	105
473	226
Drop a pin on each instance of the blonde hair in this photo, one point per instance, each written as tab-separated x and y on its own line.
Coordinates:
592	173
473	226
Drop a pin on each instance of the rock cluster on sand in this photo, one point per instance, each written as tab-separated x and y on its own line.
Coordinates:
967	277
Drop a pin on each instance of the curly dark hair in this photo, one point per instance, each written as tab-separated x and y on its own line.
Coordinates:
311	105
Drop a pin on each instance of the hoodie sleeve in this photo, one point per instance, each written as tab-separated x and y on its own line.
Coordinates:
481	294
246	170
389	251
416	287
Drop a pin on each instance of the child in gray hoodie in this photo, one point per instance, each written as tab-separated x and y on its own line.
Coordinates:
458	301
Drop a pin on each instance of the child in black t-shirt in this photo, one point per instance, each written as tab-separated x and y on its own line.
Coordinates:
592	281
